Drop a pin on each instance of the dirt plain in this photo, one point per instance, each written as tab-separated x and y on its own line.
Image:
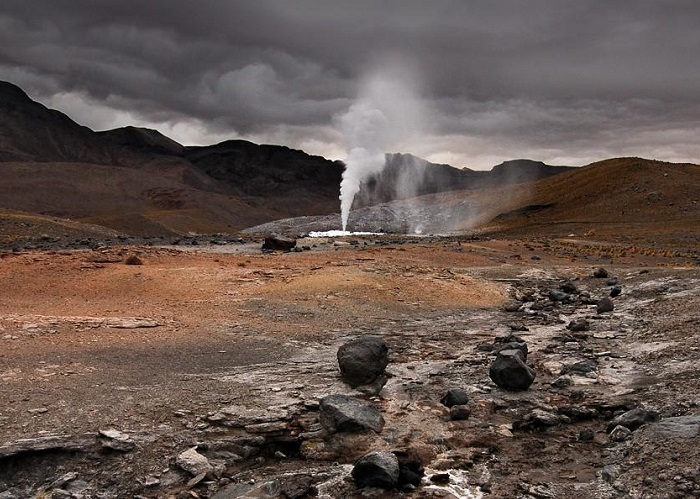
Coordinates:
229	350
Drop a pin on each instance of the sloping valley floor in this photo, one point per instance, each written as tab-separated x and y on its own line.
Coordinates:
109	371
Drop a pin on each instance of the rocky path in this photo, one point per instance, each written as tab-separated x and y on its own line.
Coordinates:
223	401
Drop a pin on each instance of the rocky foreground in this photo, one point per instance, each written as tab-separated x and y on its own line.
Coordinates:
366	368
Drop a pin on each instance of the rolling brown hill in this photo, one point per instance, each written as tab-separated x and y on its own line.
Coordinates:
617	199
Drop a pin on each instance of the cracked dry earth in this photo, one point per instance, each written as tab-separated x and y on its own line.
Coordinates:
110	371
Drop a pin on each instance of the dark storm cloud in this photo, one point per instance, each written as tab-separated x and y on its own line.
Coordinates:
562	80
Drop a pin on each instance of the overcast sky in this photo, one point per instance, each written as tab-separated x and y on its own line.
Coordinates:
562	81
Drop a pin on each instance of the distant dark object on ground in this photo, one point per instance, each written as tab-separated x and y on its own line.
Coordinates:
600	273
133	260
275	242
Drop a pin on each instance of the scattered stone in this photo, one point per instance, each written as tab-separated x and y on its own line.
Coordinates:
556	295
440	478
520	346
633	419
537	419
116	440
578	325
620	433
460	412
512	306
133	260
581	367
340	413
605	305
149	481
275	242
569	287
61	481
363	360
411	470
609	473
600	273
562	382
509	371
269	489
193	462
612	281
377	469
586	435
455	396
615	291
38	410
195	480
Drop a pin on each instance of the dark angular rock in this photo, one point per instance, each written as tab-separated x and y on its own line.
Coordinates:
586	435
410	469
520	346
512	306
605	305
455	396
581	367
460	412
377	469
615	291
578	325
537	419
275	242
633	419
569	287
340	413
556	295
361	361
600	273
509	371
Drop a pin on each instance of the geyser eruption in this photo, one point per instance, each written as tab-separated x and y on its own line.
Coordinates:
385	114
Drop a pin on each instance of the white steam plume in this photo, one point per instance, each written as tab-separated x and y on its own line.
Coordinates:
385	116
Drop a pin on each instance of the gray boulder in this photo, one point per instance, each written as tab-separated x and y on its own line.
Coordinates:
363	360
340	413
509	371
377	469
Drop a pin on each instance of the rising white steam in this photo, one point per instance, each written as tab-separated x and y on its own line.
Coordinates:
386	116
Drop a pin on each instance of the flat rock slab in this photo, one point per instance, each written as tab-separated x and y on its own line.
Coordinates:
47	443
340	413
682	427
